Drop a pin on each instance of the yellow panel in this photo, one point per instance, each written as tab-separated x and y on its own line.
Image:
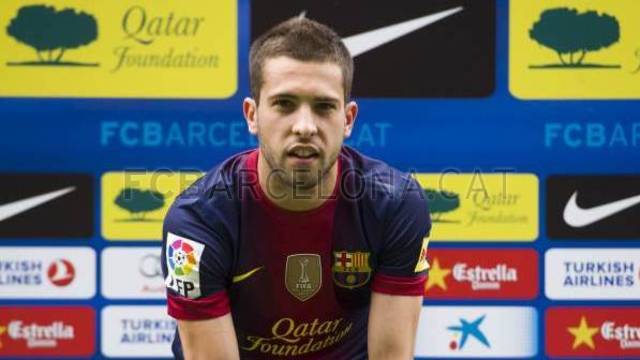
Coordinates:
482	207
145	49
608	73
134	204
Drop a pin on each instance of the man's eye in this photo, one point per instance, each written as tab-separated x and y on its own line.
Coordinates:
325	107
283	104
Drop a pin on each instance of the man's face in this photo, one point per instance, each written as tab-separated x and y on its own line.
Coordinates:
301	119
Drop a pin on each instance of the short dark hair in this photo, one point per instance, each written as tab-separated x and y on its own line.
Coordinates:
301	39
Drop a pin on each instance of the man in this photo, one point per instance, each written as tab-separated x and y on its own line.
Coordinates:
303	248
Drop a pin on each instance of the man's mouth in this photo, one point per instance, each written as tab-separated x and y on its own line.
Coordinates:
303	152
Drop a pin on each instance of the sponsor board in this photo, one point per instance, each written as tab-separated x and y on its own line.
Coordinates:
593	332
132	273
482	274
482	206
592	274
119	48
477	332
395	48
136	331
47	331
134	204
562	49
593	207
47	272
60	204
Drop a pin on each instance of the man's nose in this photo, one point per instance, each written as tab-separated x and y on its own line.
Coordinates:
305	124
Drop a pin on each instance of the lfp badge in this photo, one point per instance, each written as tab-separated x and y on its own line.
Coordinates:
351	269
183	259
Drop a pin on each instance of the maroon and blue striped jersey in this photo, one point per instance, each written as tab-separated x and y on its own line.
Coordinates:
297	284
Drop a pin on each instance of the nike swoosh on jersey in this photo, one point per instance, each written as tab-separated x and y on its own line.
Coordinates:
245	276
361	43
576	216
18	207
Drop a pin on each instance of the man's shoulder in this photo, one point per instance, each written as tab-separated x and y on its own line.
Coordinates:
375	180
214	195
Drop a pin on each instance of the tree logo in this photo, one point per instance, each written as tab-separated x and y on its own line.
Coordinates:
139	202
51	33
441	202
571	35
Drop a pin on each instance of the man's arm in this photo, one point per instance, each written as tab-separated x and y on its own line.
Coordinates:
393	320
211	339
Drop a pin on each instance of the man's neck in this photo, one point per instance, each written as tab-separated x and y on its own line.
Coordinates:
295	199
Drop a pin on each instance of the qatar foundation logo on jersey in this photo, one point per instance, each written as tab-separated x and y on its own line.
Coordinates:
183	259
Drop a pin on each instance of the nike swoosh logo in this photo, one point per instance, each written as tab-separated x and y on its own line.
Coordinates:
576	216
361	43
18	207
244	276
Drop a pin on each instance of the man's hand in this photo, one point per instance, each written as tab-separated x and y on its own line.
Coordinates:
211	339
393	321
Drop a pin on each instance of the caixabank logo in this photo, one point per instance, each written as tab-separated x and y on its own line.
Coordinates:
562	49
482	274
592	274
118	48
134	204
593	332
508	332
496	206
441	48
47	332
593	207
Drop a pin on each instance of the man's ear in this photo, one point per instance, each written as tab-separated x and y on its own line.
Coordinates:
250	111
351	112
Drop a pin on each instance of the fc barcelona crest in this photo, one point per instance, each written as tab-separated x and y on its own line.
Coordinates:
303	275
351	269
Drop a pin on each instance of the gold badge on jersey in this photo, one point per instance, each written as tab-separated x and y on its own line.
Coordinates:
303	275
351	269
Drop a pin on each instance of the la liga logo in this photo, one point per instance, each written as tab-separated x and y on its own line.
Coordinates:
61	272
181	258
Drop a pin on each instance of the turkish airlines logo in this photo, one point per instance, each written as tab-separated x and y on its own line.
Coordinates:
590	332
61	272
482	274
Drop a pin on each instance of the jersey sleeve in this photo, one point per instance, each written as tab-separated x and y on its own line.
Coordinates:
402	261
196	263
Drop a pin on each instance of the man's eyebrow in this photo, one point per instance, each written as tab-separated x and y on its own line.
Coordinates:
282	95
314	98
326	99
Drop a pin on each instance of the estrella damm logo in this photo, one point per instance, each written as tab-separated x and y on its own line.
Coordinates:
351	269
134	204
593	332
496	206
561	49
119	48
